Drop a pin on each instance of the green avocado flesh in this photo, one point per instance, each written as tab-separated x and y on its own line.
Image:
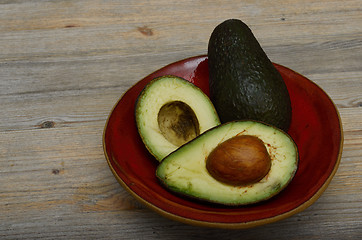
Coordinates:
170	112
184	171
244	84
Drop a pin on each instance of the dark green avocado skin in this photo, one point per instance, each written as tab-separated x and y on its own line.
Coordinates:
244	84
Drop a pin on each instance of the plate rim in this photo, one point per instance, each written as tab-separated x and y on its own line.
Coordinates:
238	225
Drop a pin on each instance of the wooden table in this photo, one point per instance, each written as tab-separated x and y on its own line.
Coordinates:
64	64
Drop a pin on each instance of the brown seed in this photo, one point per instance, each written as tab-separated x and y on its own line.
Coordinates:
240	160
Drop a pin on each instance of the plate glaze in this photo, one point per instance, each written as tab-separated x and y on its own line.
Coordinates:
316	129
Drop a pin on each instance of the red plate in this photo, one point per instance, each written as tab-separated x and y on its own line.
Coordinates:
316	128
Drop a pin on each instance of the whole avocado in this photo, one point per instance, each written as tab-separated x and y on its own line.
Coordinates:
244	84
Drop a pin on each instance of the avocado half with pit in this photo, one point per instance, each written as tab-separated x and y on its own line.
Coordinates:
170	111
236	163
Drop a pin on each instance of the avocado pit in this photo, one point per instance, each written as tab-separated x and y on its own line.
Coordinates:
240	160
178	122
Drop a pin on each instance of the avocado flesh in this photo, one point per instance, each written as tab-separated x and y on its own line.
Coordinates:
170	111
184	171
244	84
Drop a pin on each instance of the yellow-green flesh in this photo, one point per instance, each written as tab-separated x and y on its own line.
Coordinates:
162	91
184	171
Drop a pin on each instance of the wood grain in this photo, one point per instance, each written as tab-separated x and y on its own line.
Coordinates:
64	64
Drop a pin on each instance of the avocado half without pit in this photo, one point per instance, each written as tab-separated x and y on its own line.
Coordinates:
236	163
170	111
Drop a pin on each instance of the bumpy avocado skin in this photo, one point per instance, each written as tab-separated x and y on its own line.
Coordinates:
244	84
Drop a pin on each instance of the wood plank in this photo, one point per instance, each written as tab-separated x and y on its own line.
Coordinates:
64	64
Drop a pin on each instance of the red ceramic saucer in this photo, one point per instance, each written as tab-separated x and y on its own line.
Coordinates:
316	128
